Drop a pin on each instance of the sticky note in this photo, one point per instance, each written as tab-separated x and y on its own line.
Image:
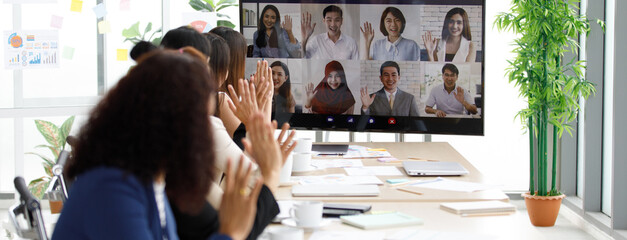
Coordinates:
56	21
122	55
104	27
77	6
125	5
100	10
68	52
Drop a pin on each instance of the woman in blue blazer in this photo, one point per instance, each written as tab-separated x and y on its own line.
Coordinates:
151	131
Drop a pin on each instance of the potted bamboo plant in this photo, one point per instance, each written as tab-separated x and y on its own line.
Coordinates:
552	87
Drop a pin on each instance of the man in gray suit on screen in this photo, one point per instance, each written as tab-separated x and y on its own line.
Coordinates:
389	101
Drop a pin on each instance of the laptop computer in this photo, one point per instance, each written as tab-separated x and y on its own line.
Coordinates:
428	168
335	190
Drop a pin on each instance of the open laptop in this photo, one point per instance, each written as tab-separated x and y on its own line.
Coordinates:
335	190
429	168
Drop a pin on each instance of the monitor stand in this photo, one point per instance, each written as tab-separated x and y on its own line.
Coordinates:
330	149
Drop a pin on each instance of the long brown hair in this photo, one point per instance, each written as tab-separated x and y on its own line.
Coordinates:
465	32
155	121
286	89
237	63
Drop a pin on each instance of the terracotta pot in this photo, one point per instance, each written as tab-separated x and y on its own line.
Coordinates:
543	210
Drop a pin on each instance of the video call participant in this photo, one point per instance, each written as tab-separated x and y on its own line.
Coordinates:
456	45
448	97
332	95
390	100
330	45
282	101
277	39
393	46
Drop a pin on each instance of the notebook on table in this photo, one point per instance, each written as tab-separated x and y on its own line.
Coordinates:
374	221
480	207
429	168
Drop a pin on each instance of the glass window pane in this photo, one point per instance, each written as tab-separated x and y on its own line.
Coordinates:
7	157
144	12
76	76
6	76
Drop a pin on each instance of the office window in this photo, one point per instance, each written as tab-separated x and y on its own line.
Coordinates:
6	84
120	17
6	154
76	74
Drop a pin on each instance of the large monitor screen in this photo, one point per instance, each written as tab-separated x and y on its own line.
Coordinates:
390	66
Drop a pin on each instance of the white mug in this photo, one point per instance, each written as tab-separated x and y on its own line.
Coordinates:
286	170
286	233
303	145
307	213
302	161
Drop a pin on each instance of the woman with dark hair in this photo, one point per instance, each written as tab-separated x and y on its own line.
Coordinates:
332	95
141	143
237	56
274	39
282	101
456	44
185	36
393	47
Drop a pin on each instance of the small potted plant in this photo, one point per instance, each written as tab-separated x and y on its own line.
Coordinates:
56	137
551	86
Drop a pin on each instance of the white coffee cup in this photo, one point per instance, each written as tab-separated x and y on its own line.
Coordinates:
286	170
303	145
286	233
302	161
307	213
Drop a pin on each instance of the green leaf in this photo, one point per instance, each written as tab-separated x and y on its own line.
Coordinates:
225	6
225	23
223	15
55	152
148	28
156	41
49	131
38	186
200	5
132	31
66	127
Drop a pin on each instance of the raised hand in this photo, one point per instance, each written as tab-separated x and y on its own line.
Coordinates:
430	44
305	25
286	147
366	99
244	105
287	23
368	32
309	89
460	95
239	205
265	151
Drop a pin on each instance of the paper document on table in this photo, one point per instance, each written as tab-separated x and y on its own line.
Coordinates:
343	235
450	185
338	179
336	163
373	171
416	234
355	151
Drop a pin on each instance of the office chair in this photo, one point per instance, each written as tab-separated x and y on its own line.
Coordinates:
30	208
58	182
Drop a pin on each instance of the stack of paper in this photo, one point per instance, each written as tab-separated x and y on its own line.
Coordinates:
372	221
479	208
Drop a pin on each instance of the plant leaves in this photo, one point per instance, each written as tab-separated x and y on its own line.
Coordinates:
225	23
148	28
38	186
226	6
132	31
66	127
49	131
199	5
156	41
54	151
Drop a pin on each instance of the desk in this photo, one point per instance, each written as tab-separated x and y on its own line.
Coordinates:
426	150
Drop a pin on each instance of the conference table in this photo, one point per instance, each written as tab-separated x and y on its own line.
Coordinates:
438	224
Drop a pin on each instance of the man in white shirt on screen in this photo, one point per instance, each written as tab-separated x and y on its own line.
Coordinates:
448	98
332	44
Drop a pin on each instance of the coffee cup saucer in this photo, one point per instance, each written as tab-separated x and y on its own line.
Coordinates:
292	223
308	169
